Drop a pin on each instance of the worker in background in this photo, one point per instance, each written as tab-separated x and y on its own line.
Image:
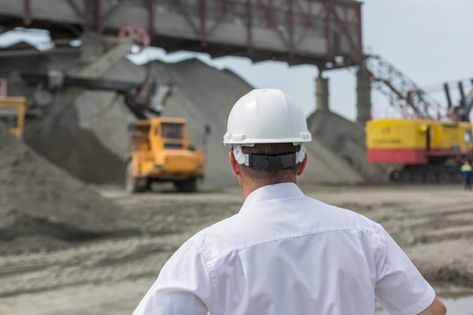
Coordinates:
467	170
285	253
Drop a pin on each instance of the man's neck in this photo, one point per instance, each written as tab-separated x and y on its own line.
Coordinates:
249	187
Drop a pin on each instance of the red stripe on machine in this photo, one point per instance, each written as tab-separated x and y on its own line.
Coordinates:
397	156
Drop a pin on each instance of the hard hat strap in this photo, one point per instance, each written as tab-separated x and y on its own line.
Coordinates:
268	162
272	163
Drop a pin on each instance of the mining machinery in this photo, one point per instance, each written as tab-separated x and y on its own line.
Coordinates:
13	113
160	147
424	146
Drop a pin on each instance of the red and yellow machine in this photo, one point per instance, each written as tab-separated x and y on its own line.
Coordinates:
161	151
419	150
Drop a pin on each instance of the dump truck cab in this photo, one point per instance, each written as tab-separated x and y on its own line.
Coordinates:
12	114
161	151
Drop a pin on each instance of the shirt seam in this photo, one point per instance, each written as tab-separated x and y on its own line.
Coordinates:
254	202
382	238
213	279
292	236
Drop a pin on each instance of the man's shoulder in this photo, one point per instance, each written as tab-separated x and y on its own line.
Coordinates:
332	215
223	235
309	215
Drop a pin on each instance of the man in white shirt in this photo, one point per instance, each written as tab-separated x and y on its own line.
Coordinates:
285	253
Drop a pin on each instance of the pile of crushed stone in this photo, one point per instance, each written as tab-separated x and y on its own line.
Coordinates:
86	134
205	95
346	139
42	206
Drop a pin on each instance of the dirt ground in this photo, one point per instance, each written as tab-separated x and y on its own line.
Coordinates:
109	276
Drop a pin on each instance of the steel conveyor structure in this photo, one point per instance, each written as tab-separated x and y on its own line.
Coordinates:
325	33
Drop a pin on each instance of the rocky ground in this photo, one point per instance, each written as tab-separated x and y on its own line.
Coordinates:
109	275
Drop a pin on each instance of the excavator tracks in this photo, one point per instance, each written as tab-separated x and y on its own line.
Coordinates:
428	174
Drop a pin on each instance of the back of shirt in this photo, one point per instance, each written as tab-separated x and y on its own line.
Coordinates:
285	253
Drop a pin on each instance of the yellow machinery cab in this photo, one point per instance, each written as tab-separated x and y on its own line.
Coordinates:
161	151
12	114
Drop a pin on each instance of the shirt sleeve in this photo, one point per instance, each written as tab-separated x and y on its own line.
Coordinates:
183	286
400	287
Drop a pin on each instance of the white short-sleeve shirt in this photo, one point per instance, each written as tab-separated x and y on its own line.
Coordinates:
285	253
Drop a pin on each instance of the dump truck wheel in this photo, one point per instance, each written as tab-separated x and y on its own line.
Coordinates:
134	184
187	186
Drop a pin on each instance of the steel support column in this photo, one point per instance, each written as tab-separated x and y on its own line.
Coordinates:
27	12
151	13
249	27
290	30
363	95
321	94
98	16
203	18
328	31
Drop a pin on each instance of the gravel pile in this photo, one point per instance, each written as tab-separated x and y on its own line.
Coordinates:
85	132
346	139
43	206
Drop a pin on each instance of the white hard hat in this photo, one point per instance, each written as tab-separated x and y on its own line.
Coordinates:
266	116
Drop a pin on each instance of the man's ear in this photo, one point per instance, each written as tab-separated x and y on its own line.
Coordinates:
233	164
301	166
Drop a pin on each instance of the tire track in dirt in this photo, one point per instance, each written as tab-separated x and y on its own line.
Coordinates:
107	260
167	222
436	235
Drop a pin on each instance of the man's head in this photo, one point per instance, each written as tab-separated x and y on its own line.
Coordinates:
266	131
255	177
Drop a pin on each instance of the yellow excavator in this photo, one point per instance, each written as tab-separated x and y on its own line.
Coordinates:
420	150
428	145
160	148
12	114
161	151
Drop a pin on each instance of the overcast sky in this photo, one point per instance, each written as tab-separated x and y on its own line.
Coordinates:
429	40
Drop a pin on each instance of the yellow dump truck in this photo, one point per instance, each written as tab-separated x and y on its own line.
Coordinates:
12	114
421	150
161	151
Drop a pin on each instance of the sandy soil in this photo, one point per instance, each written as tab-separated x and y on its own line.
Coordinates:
433	224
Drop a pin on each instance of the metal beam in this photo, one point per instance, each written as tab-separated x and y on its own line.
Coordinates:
462	94
328	31
33	52
225	7
151	4
290	30
27	12
203	18
75	7
186	16
211	25
357	51
249	27
446	88
98	15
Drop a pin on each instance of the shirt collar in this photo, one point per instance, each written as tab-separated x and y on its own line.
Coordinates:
271	192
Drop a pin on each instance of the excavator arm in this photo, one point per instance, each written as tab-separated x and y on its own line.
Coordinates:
140	98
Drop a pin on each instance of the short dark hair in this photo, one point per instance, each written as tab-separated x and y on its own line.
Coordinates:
271	149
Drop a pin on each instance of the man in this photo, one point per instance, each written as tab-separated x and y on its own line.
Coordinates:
466	170
285	253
